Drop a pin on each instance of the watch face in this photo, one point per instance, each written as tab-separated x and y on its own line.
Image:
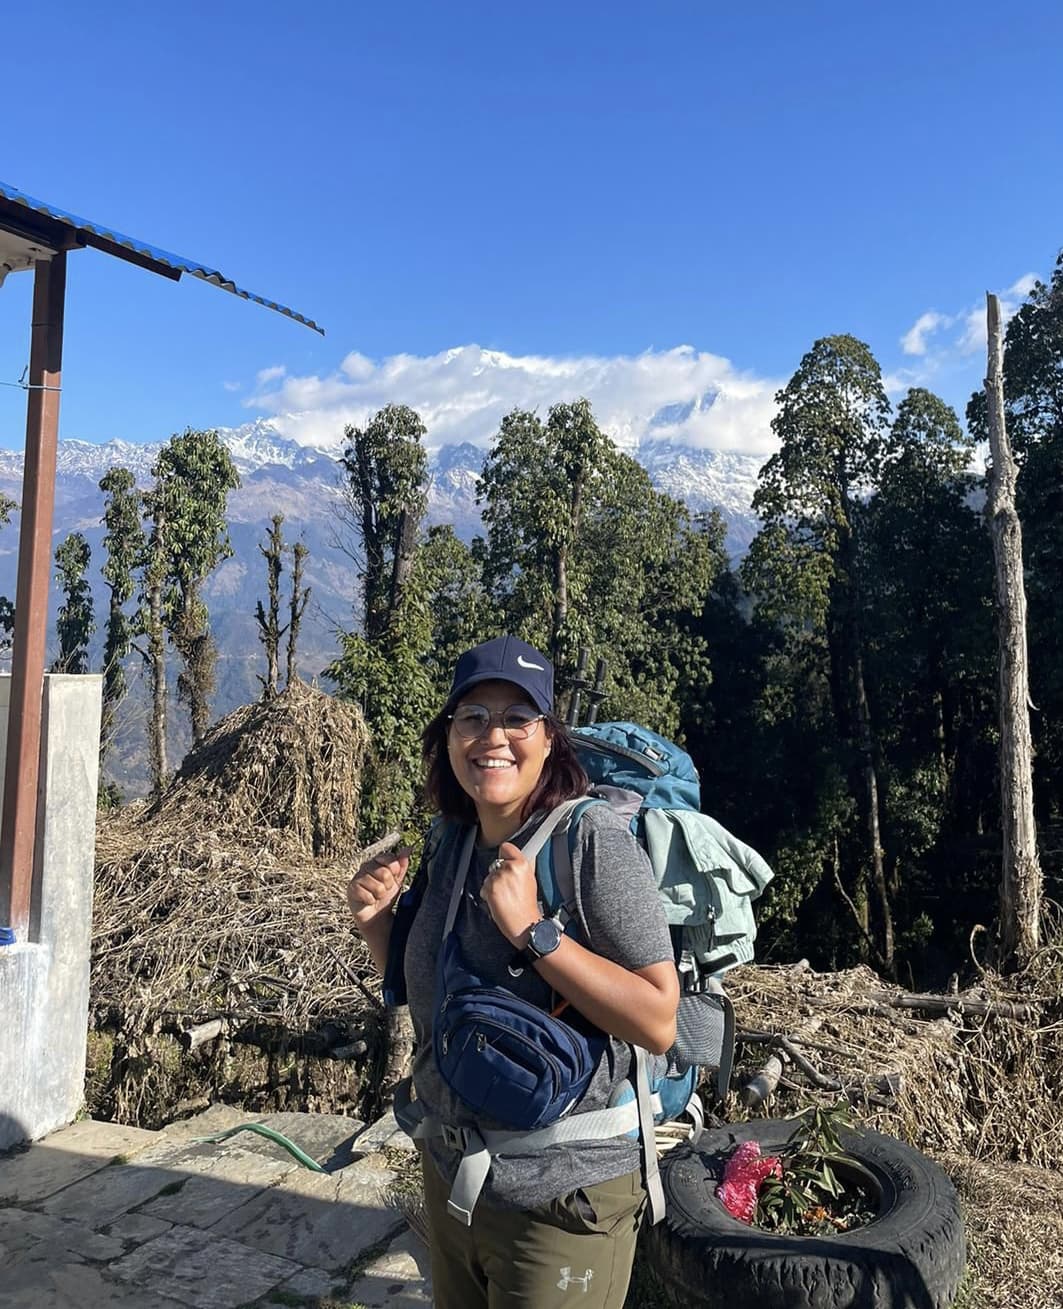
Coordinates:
545	936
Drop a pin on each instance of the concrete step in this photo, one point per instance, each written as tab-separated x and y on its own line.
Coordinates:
100	1215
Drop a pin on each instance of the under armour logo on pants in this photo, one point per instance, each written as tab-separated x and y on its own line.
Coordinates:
567	1279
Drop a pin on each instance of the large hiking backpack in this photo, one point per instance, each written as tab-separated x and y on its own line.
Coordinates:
707	881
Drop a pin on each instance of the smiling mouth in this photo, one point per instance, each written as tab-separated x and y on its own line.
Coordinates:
492	765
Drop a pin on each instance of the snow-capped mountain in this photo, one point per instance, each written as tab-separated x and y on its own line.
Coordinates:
279	475
707	479
303	483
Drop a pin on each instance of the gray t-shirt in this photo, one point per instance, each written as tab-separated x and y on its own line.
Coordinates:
619	917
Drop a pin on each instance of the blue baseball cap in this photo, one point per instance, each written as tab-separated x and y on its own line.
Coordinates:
506	659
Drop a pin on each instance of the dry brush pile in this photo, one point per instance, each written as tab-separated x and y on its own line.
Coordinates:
972	1079
973	1072
223	957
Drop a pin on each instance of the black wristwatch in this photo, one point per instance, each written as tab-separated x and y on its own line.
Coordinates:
544	938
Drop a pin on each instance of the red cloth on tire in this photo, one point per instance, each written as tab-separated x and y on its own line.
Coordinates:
742	1176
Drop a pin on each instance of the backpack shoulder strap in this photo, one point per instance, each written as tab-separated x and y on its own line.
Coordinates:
557	880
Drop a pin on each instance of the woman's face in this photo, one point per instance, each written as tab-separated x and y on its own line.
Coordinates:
497	773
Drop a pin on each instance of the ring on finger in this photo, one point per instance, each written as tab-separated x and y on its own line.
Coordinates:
496	865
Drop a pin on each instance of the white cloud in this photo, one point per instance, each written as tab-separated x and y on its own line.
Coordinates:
947	350
974	338
233	386
680	394
267	375
1023	286
913	342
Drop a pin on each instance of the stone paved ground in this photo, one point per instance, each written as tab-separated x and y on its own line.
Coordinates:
100	1216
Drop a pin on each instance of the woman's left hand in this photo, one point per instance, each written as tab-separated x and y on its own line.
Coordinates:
511	894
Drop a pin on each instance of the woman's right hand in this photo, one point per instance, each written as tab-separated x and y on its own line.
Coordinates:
376	885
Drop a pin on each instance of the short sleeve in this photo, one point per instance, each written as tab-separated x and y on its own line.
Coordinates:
617	901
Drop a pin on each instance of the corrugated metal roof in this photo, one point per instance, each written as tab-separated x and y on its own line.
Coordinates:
83	231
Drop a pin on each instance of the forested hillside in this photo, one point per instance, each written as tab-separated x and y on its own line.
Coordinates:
836	686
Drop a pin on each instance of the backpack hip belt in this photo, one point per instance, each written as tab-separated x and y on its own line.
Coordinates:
478	1146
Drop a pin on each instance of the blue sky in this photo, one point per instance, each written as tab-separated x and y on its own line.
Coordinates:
579	189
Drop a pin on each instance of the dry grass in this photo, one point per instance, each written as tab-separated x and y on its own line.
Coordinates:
288	769
1014	1219
980	1093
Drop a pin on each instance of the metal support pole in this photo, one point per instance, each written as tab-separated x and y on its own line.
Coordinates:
19	829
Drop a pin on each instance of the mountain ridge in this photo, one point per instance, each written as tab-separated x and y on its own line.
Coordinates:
280	475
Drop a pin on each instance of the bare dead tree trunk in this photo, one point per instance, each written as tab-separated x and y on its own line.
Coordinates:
560	615
1021	880
865	742
299	600
270	630
402	566
561	558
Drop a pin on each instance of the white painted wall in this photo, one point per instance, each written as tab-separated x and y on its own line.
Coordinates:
44	984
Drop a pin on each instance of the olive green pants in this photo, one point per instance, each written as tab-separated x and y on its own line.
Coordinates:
576	1251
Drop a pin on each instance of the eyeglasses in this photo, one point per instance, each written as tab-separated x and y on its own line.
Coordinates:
519	721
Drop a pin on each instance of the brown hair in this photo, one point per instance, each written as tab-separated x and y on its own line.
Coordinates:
562	777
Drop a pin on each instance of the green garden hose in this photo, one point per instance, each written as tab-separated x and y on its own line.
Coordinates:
260	1129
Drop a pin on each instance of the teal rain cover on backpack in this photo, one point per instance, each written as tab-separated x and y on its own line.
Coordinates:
707	878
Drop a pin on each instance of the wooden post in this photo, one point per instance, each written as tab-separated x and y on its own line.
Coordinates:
1021	880
19	831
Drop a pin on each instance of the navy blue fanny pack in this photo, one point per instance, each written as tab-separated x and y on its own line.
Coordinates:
505	1057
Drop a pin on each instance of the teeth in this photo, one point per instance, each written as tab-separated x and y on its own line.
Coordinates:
493	763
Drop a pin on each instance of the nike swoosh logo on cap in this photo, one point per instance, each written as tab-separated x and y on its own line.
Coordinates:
525	664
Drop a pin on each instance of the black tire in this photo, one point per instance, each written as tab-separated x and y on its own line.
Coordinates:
911	1256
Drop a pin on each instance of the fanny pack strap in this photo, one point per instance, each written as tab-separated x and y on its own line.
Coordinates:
460	874
647	1137
554	821
479	1146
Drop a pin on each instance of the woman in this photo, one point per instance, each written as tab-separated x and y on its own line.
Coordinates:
560	1223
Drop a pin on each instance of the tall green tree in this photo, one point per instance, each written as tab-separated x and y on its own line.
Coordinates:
582	550
833	425
927	570
123	546
74	622
385	494
648	566
536	487
194	474
456	607
763	737
382	667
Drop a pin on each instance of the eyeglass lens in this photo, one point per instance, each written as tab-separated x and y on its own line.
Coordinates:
518	721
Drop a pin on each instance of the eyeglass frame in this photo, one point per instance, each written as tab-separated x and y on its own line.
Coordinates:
511	733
